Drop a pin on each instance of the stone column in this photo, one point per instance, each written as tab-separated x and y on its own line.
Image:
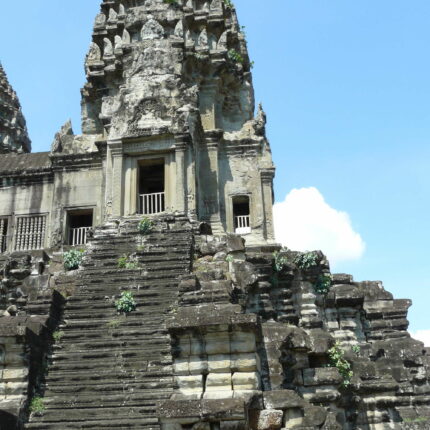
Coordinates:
208	94
181	145
267	176
116	151
211	195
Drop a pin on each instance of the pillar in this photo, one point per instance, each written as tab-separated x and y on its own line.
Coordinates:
211	195
181	146
267	176
117	154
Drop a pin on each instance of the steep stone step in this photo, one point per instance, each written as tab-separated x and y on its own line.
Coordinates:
104	359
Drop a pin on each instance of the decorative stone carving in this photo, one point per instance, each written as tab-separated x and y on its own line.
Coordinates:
126	39
66	130
179	29
108	48
202	40
152	29
222	43
94	53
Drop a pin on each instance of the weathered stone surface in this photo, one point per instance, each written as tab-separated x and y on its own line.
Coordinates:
222	336
13	129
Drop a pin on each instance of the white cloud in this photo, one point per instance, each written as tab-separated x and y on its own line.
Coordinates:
305	222
423	336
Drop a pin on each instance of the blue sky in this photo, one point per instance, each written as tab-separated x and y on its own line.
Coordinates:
346	88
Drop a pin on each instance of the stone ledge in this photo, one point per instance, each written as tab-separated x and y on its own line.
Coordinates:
202	316
223	409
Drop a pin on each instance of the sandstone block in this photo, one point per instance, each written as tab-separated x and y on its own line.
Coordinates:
181	366
217	343
15	374
219	363
192	384
246	381
219	382
282	399
243	342
246	362
270	420
198	366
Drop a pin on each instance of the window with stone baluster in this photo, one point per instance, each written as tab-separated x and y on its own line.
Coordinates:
30	232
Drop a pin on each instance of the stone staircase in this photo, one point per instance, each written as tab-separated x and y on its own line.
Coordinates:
109	370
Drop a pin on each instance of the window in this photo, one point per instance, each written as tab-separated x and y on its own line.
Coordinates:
151	187
3	235
241	215
30	233
79	223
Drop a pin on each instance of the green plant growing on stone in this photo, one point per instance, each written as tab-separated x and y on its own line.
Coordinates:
306	260
356	349
127	262
229	259
145	226
126	303
37	406
171	2
228	4
235	56
57	335
279	261
337	359
323	284
73	259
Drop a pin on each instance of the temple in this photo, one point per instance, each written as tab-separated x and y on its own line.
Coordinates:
168	127
141	286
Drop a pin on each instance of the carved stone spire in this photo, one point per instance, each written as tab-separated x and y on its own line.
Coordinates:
153	65
13	130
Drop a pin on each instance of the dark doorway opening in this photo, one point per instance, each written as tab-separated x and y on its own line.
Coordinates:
79	222
241	215
151	187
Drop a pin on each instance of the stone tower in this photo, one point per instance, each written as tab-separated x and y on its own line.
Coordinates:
171	82
13	130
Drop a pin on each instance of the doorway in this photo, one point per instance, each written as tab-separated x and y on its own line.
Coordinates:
152	186
241	215
79	223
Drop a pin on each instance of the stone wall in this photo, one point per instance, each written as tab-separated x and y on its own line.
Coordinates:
327	352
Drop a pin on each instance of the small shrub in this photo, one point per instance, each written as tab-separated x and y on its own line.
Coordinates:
37	405
171	1
57	335
235	56
337	359
126	303
279	261
356	349
323	284
306	260
73	259
228	4
229	259
145	226
127	262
